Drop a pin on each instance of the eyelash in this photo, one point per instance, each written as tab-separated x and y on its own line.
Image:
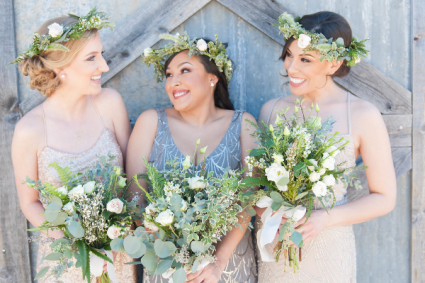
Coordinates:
92	57
302	59
167	75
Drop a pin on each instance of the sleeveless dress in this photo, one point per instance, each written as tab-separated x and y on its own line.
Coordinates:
80	162
241	266
331	256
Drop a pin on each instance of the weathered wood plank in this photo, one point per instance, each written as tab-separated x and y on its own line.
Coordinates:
399	129
141	30
14	258
402	159
418	174
364	80
31	102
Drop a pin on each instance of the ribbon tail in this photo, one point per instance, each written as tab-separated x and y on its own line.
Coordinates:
267	234
110	267
96	265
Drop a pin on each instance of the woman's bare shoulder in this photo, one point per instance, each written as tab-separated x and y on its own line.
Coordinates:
30	129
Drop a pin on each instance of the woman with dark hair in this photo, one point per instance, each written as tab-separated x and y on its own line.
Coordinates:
197	75
318	48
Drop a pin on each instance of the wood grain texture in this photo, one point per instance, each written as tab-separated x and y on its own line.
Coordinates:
418	174
399	129
14	256
141	30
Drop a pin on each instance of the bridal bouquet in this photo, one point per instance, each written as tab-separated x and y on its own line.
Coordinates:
296	163
88	209
188	212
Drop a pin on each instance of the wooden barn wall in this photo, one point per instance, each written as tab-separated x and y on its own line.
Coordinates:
383	244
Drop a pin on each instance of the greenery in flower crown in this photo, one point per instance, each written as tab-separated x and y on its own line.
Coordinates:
329	49
58	34
214	50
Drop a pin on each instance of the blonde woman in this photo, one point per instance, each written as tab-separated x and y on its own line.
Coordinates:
78	122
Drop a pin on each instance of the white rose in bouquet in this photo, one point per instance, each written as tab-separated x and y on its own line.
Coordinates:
202	45
69	208
314	177
328	162
89	187
165	218
62	190
113	232
329	180
151	208
115	205
276	172
55	30
322	171
150	226
319	189
77	191
196	183
304	40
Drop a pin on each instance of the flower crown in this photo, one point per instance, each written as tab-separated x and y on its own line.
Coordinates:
329	49
58	33
214	50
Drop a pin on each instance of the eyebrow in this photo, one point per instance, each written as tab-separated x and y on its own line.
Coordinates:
301	54
91	53
181	64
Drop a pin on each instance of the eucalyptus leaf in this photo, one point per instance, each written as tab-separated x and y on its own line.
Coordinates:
117	245
52	211
57	200
301	195
161	248
60	219
283	230
257	152
61	241
162	234
132	244
283	181
163	266
276	197
199	247
195	266
68	254
179	276
140	252
54	256
149	260
42	272
76	229
251	211
296	238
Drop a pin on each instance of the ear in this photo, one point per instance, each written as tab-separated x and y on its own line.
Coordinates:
335	66
58	71
213	78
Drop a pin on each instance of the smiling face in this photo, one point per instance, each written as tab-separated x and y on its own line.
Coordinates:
83	75
188	84
306	73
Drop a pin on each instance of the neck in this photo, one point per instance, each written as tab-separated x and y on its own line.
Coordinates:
200	115
69	106
324	94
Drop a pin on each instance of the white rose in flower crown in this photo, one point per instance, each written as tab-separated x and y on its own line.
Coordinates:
150	226
303	40
89	187
69	208
151	208
196	183
184	206
314	177
276	172
62	190
115	205
77	191
202	45
329	180
331	149
165	218
147	51
322	171
55	30
328	162
319	189
113	232
278	158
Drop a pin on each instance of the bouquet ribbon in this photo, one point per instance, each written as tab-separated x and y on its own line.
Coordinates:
96	266
271	224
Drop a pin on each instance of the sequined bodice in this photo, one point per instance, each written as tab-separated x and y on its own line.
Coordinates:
226	155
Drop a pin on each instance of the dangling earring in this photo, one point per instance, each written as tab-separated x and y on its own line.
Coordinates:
212	84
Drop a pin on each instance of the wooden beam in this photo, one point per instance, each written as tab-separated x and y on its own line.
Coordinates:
14	255
402	159
364	80
141	30
399	129
418	174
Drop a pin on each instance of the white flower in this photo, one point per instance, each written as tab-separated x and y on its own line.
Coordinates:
177	34
322	171
165	218
333	149
357	60
196	183
276	172
151	208
115	205
314	177
328	162
167	274
184	206
319	189
329	180
147	51
62	190
77	191
186	163
202	45
89	187
55	30
69	208
113	232
314	162
304	41
277	158
150	226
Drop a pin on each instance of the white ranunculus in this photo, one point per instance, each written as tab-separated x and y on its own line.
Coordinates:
319	189
322	171
78	190
167	274
314	162
62	190
113	232
115	205
202	45
304	40
278	158
151	208
150	226
276	172
69	208
55	30
165	218
329	180
196	183
89	187
184	206
314	177
147	51
328	162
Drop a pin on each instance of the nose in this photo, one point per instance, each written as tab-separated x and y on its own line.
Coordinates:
175	80
291	66
103	66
